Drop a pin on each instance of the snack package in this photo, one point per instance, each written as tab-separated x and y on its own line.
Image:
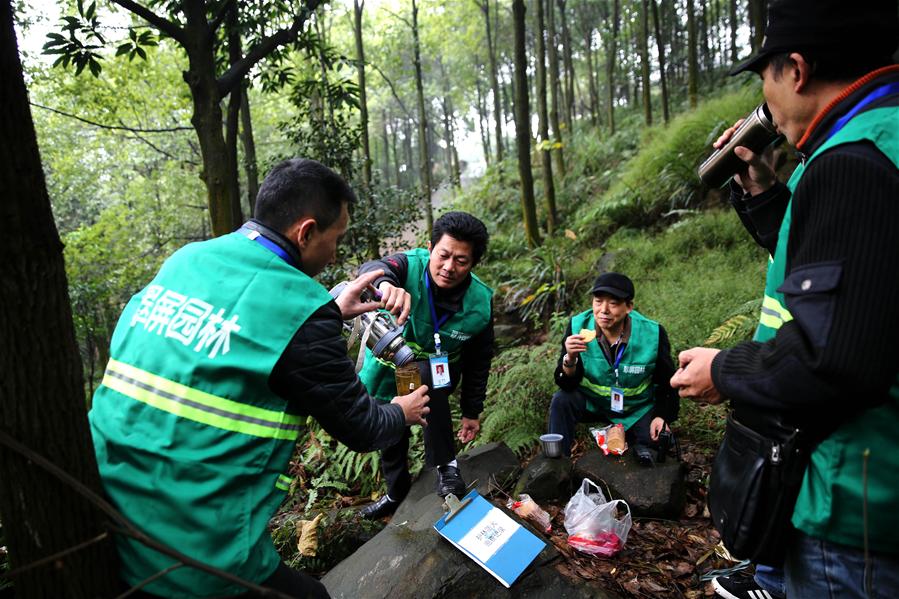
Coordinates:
528	509
610	439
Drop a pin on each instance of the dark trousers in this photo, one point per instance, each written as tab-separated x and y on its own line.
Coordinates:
440	446
570	407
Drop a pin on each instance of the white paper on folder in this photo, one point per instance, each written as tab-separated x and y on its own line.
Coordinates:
489	534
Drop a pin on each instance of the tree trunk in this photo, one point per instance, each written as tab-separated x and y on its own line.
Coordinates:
693	72
42	404
424	150
207	120
372	238
610	61
394	135
249	149
644	61
494	81
408	155
569	67
553	58
385	136
482	120
523	128
363	104
448	140
757	18
663	77
549	189
591	81
732	5
233	119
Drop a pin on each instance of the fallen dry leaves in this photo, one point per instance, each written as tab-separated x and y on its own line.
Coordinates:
661	558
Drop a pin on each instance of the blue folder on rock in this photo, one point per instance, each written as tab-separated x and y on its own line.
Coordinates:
490	537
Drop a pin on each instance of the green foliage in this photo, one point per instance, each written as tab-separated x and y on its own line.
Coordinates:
81	45
739	326
535	286
326	469
518	395
690	276
662	175
340	533
135	44
495	194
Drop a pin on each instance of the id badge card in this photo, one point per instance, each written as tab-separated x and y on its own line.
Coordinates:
440	374
617	400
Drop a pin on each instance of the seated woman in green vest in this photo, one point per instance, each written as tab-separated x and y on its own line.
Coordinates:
615	367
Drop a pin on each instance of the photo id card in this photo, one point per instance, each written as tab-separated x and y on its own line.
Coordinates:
617	400
440	374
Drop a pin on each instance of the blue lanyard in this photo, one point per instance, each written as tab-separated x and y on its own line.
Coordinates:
621	348
268	244
884	90
437	322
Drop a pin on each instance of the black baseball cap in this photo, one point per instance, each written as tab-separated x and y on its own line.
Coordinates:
615	284
859	32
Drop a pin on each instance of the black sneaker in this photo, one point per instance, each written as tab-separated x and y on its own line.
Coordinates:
449	480
740	586
382	507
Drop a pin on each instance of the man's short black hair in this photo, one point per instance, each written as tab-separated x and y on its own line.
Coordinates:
301	187
827	67
464	227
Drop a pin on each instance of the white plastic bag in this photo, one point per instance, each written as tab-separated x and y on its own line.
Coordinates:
592	522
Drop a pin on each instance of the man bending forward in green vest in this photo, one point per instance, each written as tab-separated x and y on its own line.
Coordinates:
214	367
614	367
438	298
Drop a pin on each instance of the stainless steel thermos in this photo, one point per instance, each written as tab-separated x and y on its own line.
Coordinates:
379	331
756	132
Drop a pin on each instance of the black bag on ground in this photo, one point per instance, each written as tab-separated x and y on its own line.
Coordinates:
754	484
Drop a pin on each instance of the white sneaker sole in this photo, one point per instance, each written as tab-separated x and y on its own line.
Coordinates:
754	594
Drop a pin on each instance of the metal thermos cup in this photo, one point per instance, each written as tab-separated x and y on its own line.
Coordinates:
756	132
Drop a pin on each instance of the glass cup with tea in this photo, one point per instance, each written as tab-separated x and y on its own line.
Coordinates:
408	378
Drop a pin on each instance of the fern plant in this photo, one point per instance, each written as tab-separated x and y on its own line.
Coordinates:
518	395
738	326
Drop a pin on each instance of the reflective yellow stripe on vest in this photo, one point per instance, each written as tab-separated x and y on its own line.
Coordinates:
199	406
283	482
604	391
773	314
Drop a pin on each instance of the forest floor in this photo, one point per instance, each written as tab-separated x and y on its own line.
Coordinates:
661	558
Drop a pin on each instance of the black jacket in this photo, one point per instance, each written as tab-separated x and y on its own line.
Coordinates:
318	379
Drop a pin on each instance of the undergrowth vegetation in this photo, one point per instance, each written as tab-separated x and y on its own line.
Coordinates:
629	202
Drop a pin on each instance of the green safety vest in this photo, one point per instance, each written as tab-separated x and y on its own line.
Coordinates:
192	445
830	503
378	375
638	362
